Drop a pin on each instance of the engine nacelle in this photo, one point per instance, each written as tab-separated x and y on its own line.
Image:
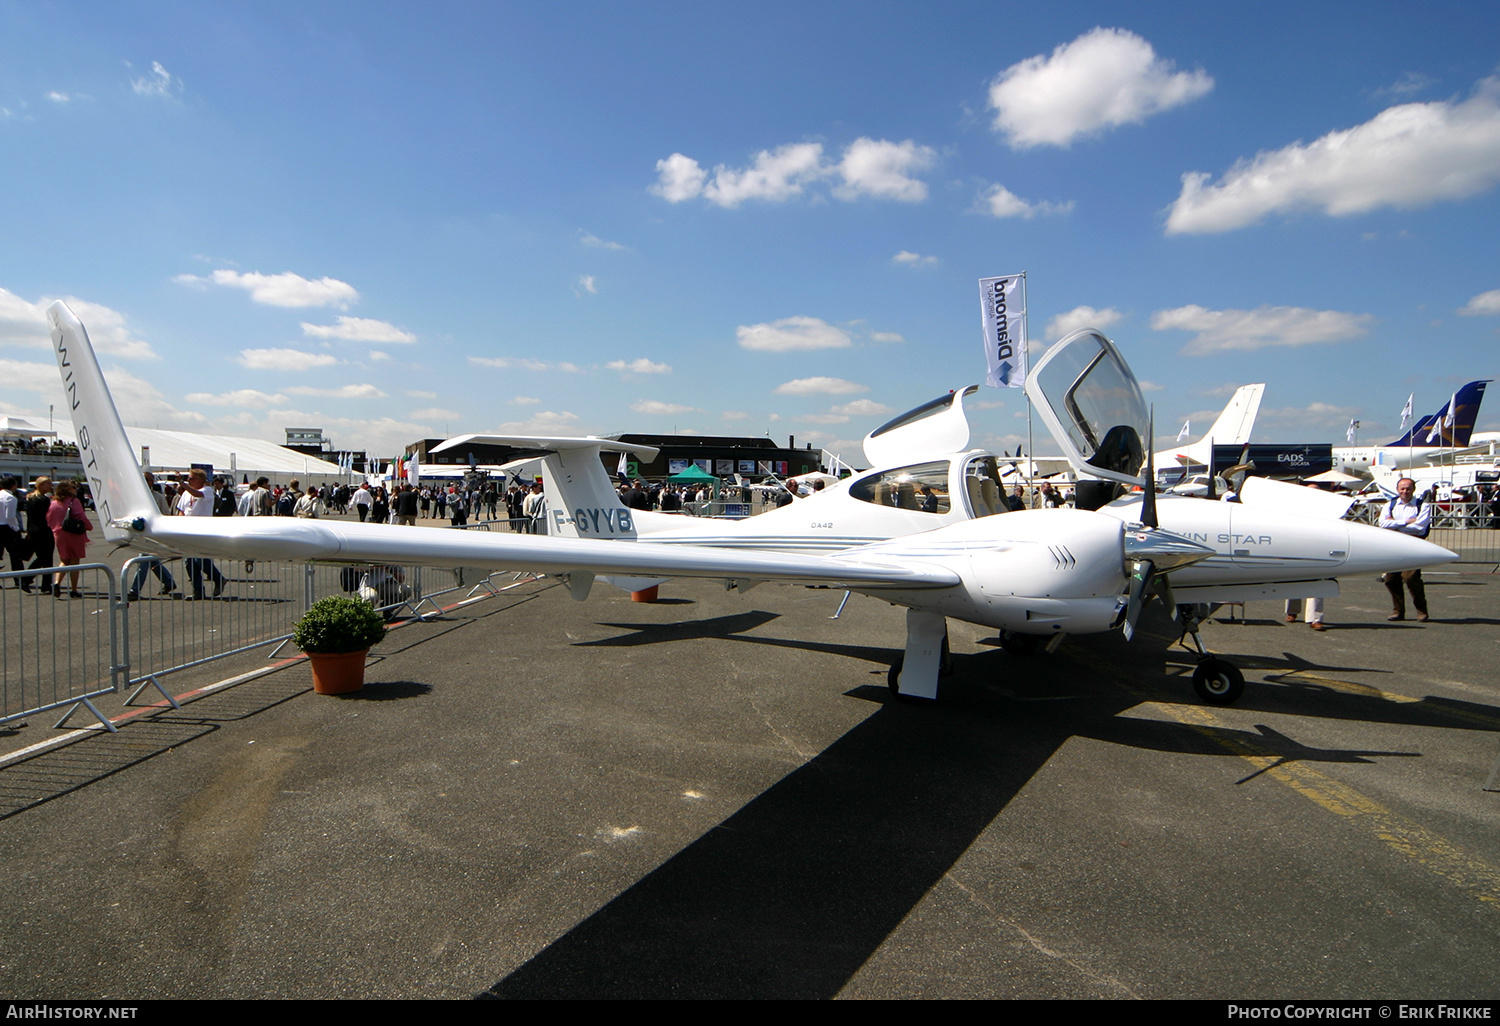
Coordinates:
1033	571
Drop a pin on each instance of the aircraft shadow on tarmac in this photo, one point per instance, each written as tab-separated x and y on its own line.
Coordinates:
682	630
793	893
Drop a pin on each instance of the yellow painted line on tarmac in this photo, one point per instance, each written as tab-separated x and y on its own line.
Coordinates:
1348	687
1428	849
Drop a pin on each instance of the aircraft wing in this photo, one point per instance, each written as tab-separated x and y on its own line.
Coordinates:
337	541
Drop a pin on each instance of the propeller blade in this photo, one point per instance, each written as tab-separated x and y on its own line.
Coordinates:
1148	484
1140	580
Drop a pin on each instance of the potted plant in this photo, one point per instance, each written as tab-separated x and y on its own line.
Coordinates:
337	633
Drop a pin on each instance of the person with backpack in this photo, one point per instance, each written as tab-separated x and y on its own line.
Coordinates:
1409	515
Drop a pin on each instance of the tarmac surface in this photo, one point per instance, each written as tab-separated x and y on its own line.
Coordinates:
717	796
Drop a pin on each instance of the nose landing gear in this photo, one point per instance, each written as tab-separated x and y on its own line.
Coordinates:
1217	681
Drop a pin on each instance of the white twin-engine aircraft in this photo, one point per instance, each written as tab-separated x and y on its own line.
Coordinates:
930	533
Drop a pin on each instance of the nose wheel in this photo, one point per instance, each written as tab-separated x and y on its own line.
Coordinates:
1217	681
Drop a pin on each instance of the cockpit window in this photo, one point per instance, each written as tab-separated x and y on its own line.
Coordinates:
982	482
923	488
1085	390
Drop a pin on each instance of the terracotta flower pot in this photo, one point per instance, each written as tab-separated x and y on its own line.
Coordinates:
337	673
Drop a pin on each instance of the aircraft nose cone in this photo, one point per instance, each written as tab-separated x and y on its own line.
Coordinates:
1374	548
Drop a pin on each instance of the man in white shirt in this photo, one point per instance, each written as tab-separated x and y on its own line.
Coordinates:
11	538
196	499
362	501
1409	515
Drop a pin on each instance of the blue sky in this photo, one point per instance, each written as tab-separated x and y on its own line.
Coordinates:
397	222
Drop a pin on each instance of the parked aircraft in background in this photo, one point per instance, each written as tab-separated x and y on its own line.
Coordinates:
1030	573
1232	427
1430	438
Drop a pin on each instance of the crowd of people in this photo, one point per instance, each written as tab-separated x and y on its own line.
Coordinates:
55	533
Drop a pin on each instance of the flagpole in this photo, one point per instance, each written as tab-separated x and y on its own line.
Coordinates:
1026	320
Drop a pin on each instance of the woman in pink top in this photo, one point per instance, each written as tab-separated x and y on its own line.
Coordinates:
70	546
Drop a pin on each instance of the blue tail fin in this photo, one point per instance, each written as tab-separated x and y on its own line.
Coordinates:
1457	436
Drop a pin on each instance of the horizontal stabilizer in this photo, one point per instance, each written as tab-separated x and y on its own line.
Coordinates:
548	443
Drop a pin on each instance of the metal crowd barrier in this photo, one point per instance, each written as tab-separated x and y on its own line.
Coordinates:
1470	529
163	616
62	652
247	605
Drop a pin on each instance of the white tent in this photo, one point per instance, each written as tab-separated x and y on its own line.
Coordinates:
179	450
20	427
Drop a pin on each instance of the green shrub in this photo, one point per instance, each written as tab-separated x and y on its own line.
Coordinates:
338	624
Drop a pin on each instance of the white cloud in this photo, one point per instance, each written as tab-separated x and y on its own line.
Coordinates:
862	408
525	400
511	363
824	418
1243	330
57	97
570	368
1483	304
791	334
1312	416
586	283
883	169
342	392
820	386
41	378
1101	80
243	397
998	201
285	289
376	356
656	407
25	324
435	413
777	175
735	415
911	259
1407	156
1151	386
1081	317
678	178
868	167
284	359
545	423
358	329
589	239
160	82
641	366
1409	82
886	336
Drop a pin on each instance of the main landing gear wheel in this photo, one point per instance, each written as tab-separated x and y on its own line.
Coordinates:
1218	682
893	675
1020	644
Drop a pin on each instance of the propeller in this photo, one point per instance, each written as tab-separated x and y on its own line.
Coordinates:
1152	552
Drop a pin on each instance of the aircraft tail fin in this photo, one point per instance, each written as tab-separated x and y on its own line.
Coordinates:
581	500
114	476
1466	411
1233	426
1238	418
